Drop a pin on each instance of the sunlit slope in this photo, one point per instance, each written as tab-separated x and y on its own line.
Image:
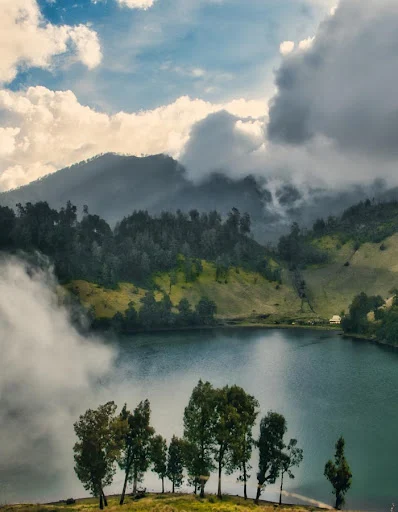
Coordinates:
247	295
107	302
244	294
373	269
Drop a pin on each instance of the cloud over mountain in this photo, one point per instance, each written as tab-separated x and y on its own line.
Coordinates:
46	130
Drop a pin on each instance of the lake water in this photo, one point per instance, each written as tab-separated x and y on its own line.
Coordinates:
326	386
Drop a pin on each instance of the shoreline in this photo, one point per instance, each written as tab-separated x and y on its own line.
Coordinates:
258	325
368	339
231	326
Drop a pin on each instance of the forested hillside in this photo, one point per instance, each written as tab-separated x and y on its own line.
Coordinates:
154	271
180	269
139	246
340	257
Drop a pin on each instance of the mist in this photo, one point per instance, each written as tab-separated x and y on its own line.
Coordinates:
49	373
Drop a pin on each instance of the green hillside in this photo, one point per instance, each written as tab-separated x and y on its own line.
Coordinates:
333	285
247	296
243	295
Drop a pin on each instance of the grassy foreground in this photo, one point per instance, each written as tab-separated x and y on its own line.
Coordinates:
162	503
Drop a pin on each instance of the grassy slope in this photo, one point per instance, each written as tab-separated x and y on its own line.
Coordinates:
159	503
333	286
247	295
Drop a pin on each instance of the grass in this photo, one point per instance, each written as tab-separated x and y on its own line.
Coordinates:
245	294
334	285
247	298
161	503
108	302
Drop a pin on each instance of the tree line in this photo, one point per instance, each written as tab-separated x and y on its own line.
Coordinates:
86	247
383	325
366	221
217	436
159	314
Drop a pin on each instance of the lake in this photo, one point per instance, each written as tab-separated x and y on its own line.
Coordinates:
325	386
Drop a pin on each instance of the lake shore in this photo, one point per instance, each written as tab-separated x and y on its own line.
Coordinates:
227	325
368	339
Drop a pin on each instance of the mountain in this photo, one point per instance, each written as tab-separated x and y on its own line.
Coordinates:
115	185
112	186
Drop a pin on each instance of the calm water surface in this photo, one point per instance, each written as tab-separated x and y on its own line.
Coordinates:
324	385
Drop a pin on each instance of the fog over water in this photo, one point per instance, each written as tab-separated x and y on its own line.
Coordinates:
49	375
324	385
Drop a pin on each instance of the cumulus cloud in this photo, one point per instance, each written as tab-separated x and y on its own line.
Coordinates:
27	40
47	130
48	376
286	47
343	86
306	43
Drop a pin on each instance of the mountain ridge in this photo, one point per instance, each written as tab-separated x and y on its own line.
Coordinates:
114	185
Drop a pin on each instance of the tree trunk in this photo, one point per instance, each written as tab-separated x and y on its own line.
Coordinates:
219	495
202	488
124	485
196	486
162	485
135	483
105	500
258	494
244	481
101	502
280	492
173	486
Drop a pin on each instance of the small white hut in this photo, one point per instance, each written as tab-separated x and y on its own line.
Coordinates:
335	320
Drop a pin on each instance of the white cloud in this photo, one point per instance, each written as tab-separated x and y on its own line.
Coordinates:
286	47
88	49
26	40
136	4
46	130
7	140
305	44
198	72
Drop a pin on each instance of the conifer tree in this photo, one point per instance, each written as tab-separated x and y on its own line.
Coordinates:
339	474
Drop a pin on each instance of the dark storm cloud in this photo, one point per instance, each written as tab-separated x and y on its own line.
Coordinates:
345	86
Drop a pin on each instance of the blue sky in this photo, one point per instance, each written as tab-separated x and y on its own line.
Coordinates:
215	50
80	78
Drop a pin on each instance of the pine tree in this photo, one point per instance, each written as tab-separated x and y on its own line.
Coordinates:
339	473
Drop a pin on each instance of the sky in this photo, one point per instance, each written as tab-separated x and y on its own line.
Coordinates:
288	89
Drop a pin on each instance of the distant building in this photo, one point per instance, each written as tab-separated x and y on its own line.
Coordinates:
335	320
